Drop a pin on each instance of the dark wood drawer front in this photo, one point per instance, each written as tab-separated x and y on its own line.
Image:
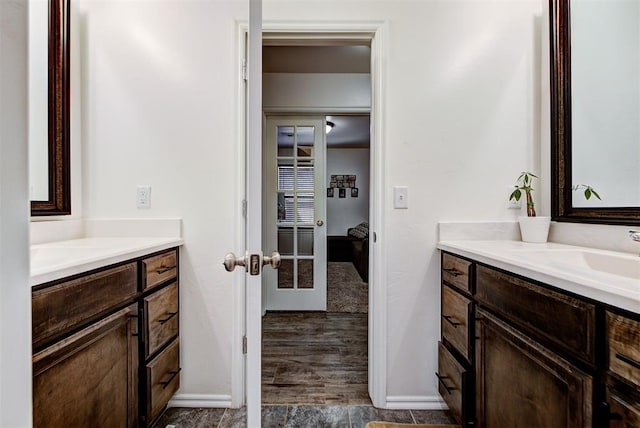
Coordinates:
624	347
450	378
623	414
456	272
567	322
158	269
60	308
163	377
456	310
161	316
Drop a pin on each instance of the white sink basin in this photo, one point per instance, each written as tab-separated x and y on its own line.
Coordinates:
615	264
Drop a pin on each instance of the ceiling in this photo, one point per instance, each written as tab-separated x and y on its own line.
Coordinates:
350	131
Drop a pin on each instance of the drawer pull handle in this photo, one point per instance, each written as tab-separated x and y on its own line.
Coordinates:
172	374
628	360
165	269
448	319
441	380
453	272
170	315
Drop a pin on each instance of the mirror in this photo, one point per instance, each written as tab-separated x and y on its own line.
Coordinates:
595	109
49	107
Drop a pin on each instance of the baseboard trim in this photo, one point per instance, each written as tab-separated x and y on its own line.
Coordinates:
417	402
200	400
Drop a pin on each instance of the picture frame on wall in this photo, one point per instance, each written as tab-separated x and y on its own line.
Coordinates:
354	192
342	192
330	192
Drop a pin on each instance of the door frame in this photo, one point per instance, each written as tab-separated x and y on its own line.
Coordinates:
373	32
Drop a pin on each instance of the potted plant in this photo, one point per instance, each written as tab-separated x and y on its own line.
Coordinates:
532	227
535	228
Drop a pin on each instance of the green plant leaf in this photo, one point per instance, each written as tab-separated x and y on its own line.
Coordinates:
587	194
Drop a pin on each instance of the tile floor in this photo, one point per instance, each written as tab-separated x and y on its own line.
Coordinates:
298	417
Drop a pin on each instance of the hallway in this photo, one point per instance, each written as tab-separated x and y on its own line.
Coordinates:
314	358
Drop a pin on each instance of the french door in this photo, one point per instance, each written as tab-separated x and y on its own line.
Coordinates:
294	212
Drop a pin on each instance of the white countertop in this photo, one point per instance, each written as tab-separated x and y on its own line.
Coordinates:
585	271
55	260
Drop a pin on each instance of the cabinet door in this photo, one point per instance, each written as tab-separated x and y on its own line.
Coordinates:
519	383
90	378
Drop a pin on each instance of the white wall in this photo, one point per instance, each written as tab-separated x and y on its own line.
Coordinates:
15	294
160	107
348	212
605	57
461	120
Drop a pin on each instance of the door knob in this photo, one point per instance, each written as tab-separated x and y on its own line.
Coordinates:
274	260
319	222
231	261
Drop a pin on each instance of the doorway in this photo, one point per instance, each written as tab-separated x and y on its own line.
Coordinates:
315	357
248	368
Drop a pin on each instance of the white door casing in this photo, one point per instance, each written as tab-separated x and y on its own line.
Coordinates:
295	212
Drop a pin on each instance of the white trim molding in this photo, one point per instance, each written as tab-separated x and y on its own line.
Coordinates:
201	400
416	402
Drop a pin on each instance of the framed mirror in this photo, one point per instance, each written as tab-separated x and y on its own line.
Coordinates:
595	110
49	115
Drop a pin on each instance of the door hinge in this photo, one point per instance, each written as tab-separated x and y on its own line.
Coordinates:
244	69
244	345
244	208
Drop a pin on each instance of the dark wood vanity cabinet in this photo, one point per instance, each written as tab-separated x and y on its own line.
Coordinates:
519	382
106	346
536	356
623	374
455	351
89	379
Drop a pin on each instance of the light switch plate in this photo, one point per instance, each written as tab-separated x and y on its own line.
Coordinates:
401	197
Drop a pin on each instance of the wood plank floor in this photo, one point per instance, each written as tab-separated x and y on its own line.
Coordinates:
314	358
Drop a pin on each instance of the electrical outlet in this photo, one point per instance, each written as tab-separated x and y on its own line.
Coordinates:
143	196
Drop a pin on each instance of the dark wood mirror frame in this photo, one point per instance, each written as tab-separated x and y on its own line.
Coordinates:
59	200
561	173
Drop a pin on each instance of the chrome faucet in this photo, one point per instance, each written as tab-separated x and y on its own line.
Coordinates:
635	235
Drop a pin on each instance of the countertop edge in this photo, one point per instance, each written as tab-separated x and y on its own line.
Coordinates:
603	296
116	256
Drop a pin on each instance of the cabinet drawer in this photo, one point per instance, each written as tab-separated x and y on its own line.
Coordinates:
456	312
158	269
60	308
163	379
537	310
624	347
451	376
456	272
623	414
161	317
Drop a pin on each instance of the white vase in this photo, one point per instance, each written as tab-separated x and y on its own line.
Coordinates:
534	229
